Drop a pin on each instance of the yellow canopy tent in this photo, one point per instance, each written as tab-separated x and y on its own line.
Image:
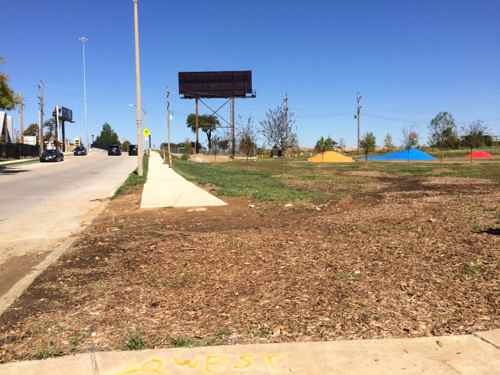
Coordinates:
330	157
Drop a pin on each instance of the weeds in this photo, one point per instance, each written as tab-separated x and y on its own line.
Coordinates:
472	269
135	341
50	351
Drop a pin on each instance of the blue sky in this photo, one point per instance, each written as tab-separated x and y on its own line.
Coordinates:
409	60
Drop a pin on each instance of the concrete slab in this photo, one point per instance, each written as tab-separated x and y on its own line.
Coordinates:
449	355
493	337
165	188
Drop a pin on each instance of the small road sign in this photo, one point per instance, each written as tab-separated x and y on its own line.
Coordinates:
147	133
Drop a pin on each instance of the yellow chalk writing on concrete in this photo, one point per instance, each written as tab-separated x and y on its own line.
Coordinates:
215	363
154	366
191	363
245	361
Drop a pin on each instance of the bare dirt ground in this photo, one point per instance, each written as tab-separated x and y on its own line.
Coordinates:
399	257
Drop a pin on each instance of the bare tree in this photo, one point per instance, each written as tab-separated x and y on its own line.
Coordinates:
410	138
278	128
247	138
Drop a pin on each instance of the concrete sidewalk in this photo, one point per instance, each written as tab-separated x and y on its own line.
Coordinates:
165	188
477	354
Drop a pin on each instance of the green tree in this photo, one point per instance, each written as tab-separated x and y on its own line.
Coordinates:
8	98
443	131
107	137
31	130
207	124
388	144
325	144
368	143
125	146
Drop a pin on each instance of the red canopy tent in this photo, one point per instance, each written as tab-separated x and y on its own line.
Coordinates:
479	155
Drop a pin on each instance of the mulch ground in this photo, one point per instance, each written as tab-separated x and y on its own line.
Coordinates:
411	257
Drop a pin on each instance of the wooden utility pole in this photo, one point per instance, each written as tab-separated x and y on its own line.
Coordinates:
41	103
357	116
197	125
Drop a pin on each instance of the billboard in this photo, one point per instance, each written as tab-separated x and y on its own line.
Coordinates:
225	84
65	114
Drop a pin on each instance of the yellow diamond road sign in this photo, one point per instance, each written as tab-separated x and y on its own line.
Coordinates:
147	133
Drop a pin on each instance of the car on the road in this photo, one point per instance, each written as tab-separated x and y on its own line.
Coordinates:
132	150
80	151
52	155
114	150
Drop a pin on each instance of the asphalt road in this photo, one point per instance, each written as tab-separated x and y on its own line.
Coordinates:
41	202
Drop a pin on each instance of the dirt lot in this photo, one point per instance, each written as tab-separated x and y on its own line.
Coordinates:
394	256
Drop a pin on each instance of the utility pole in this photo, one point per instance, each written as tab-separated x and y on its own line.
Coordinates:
285	109
357	116
84	40
233	126
21	118
168	129
138	97
41	103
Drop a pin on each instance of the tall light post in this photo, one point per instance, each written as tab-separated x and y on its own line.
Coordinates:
138	98
84	40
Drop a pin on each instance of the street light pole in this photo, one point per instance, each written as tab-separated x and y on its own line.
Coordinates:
138	98
84	40
168	129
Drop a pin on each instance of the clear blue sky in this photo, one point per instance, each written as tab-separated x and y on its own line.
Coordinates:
409	59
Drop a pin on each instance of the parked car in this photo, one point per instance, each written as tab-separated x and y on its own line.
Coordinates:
114	150
132	150
52	155
80	151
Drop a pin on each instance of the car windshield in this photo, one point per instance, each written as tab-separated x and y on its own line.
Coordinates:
51	152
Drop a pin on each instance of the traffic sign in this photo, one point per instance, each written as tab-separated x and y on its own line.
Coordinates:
147	133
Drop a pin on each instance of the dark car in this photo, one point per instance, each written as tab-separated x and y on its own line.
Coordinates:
80	151
52	155
132	150
114	150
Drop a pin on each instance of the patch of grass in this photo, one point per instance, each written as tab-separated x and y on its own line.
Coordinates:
222	333
135	341
49	351
240	179
74	342
133	180
476	228
261	331
346	276
472	269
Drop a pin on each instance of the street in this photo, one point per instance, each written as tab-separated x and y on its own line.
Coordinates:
42	204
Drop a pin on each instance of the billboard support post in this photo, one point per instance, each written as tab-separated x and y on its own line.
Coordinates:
197	125
233	130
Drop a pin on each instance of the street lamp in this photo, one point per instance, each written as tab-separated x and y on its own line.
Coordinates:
84	40
138	98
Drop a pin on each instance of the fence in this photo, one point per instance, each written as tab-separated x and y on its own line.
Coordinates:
18	151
